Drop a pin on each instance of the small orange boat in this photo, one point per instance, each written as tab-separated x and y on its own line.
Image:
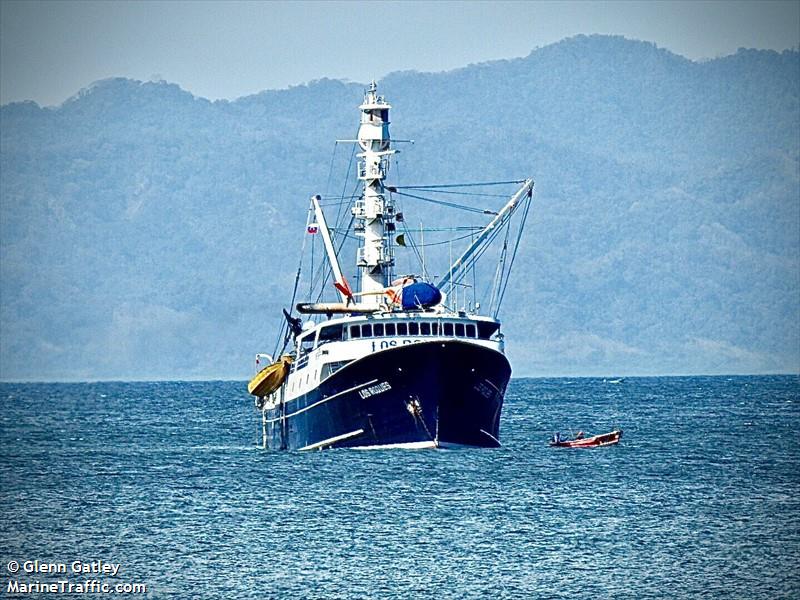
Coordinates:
604	439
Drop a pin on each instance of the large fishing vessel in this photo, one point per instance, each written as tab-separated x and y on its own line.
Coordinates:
402	361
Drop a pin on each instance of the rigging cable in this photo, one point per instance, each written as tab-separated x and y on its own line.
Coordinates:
457	185
311	270
344	185
528	203
485	244
455	239
414	247
350	236
472	228
474	282
325	267
294	295
497	281
330	168
484	195
450	204
340	214
398	208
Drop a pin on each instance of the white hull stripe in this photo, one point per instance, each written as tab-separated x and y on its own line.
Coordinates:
414	446
333	440
406	445
491	436
454	445
318	402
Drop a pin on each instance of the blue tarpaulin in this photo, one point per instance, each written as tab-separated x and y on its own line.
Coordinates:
420	295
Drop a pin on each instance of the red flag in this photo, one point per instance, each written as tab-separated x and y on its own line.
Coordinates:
344	287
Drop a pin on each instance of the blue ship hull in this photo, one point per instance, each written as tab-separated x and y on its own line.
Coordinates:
428	394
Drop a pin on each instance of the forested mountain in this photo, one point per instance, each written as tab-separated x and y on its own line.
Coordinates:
148	233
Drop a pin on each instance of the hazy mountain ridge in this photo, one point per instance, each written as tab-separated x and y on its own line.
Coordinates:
150	233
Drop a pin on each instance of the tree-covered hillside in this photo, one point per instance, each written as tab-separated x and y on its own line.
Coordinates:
147	233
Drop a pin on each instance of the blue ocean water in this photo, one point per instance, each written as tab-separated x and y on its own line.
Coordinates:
700	499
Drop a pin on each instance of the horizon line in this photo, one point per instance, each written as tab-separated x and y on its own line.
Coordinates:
236	379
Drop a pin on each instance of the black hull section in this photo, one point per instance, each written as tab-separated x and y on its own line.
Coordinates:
428	394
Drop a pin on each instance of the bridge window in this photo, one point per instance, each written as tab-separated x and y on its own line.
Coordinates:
331	333
487	330
306	343
378	329
390	329
448	329
413	329
355	331
425	328
470	330
402	329
366	331
435	328
459	330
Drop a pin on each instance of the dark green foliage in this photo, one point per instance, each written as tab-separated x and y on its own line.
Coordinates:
148	233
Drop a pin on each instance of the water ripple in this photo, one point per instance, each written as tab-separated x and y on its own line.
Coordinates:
699	500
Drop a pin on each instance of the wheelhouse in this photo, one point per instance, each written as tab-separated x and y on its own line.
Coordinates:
360	328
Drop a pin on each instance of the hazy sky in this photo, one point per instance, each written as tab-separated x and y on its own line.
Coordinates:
50	50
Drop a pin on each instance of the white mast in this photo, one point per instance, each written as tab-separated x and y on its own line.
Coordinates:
374	211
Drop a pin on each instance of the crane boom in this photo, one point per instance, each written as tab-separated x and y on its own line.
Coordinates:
456	270
339	281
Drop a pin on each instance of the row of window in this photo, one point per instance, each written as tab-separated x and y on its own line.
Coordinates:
413	328
332	333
